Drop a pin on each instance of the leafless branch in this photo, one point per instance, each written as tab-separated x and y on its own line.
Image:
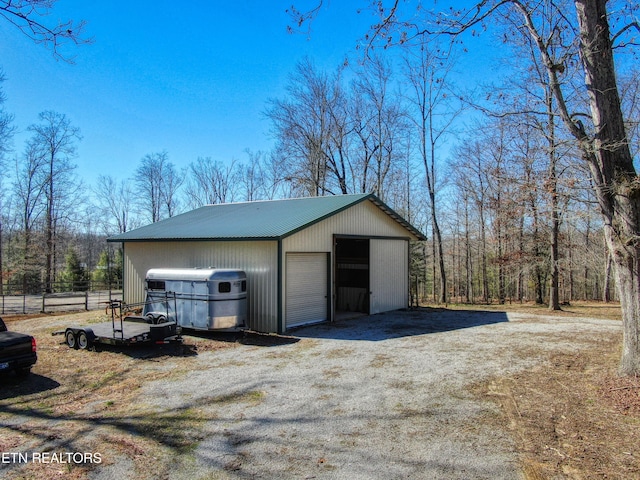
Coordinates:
301	18
26	15
626	27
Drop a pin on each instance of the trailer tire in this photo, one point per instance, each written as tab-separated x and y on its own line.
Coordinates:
82	339
70	339
156	318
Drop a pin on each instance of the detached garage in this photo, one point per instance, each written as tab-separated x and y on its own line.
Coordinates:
307	259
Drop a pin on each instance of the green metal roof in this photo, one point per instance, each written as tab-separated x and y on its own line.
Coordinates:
262	220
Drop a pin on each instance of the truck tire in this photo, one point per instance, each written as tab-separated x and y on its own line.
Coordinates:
70	338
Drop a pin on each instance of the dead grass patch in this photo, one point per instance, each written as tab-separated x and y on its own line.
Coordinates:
339	353
607	311
86	401
333	372
572	418
381	360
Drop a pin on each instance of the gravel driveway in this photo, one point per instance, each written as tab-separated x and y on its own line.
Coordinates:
380	397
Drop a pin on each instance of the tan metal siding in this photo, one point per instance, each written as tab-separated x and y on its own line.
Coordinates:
258	259
389	278
362	219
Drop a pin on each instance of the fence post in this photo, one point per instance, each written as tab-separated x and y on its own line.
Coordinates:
43	303
24	304
86	300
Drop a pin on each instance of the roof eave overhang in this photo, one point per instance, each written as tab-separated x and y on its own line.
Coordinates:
213	239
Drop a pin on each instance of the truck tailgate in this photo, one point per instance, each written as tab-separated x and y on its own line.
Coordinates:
14	344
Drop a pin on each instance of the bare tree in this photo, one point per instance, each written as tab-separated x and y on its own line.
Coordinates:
53	141
115	200
252	176
432	115
309	128
31	18
470	176
172	180
7	130
602	139
210	182
382	124
158	184
275	176
29	192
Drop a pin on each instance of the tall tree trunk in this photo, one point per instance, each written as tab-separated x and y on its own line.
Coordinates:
571	266
501	288
483	247
439	252
48	281
554	293
431	183
606	292
585	277
433	264
611	164
1	265
520	281
469	267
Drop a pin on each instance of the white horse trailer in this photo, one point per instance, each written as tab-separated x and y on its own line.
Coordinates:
197	298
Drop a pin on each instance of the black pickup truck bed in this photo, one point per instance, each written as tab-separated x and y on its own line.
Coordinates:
17	351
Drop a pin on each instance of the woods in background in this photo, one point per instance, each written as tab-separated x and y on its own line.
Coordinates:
485	170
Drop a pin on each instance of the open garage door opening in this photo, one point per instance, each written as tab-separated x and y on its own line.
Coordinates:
351	276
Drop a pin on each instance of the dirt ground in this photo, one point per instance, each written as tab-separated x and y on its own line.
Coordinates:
546	404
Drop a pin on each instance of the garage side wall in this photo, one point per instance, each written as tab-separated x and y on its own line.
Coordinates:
258	259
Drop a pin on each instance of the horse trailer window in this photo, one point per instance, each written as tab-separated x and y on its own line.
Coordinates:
156	284
224	287
244	285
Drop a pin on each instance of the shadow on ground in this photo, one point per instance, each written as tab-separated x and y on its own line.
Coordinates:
255	339
148	351
15	386
401	323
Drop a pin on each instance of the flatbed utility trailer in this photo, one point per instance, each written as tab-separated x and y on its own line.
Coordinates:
122	330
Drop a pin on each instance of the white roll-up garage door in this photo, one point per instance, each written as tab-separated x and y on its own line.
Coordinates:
306	288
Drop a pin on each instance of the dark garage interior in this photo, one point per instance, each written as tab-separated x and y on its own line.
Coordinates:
352	274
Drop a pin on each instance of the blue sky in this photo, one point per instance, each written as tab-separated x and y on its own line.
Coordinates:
193	82
190	81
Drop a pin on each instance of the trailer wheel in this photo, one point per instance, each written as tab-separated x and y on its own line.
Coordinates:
71	340
83	340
